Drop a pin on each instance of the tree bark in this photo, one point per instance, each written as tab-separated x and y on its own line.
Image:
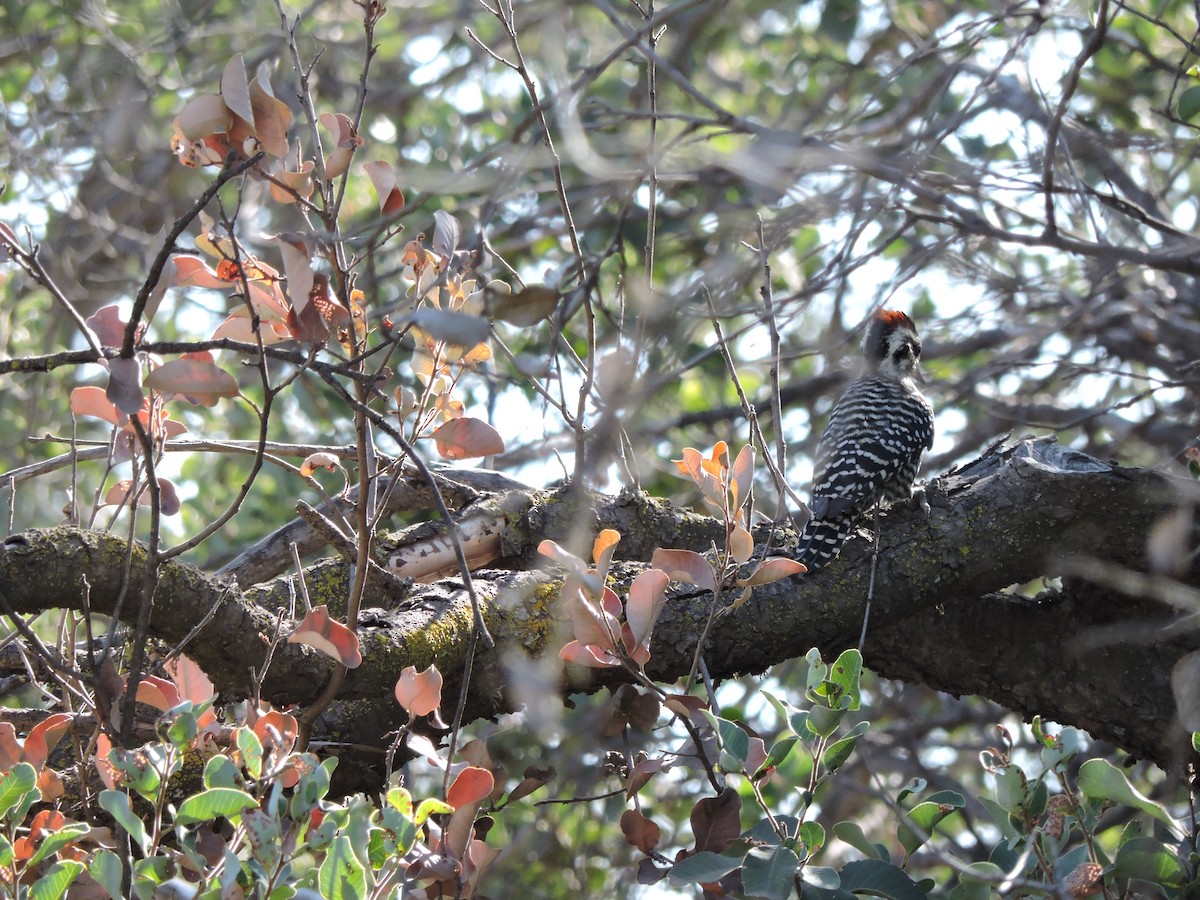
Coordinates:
1085	651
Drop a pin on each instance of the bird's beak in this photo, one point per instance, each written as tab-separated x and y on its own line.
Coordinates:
918	375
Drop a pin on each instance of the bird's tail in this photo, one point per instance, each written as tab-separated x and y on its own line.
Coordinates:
821	540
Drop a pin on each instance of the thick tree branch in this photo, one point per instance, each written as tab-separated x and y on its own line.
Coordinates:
938	617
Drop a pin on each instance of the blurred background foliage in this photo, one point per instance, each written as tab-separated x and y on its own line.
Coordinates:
895	153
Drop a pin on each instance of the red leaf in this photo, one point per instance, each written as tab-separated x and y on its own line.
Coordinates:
332	638
272	117
472	785
467	439
685	565
169	504
639	831
108	326
419	693
157	692
196	381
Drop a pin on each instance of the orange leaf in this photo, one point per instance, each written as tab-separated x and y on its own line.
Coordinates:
277	729
91	401
331	637
10	749
157	692
43	737
466	439
771	569
741	544
316	461
419	693
472	785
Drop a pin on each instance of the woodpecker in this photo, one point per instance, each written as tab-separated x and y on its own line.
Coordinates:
872	446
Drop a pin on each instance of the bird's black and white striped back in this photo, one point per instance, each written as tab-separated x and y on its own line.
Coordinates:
872	446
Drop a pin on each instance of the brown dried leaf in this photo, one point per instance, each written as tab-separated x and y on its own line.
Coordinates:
235	89
639	831
316	461
272	118
383	177
204	115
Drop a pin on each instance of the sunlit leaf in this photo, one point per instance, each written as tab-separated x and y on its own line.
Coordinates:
772	568
320	460
446	233
203	115
471	785
345	141
451	327
235	89
322	632
686	566
197	381
272	117
467	438
383	177
419	693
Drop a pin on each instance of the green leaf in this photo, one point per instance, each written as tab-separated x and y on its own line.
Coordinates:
214	803
220	771
812	834
1189	103
846	673
1146	859
733	741
702	867
52	843
779	752
768	872
1101	780
105	867
871	876
116	804
252	751
431	807
824	721
342	876
918	826
15	786
840	751
53	885
976	882
851	833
